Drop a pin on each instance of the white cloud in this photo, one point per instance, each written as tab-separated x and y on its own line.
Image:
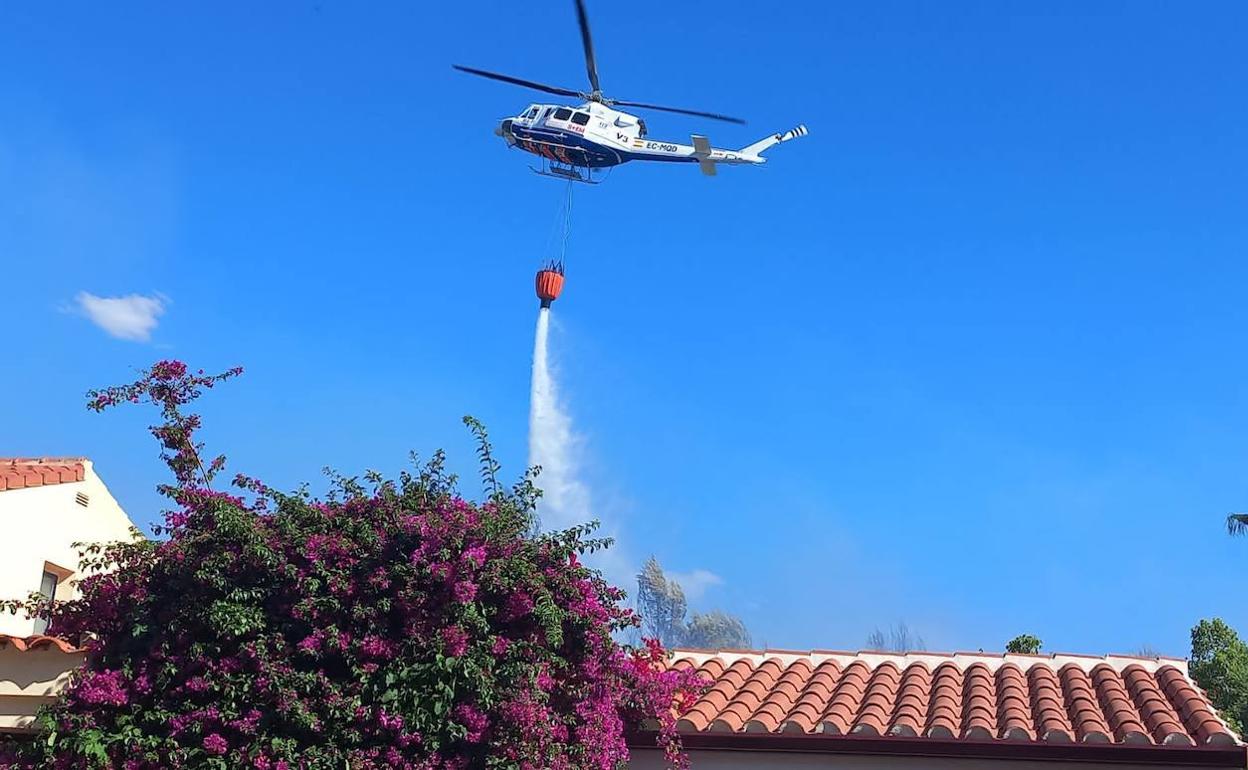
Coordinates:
696	583
132	317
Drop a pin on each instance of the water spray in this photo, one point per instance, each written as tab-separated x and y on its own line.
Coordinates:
553	444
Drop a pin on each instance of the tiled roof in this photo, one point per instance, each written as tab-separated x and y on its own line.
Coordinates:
28	643
960	697
22	472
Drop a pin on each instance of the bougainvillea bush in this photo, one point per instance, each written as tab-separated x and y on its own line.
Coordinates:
392	624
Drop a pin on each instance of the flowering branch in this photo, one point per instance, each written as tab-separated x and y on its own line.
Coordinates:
170	385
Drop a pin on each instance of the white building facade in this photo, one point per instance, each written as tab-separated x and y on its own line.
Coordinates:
47	505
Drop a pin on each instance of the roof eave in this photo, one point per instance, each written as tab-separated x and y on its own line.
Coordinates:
1171	756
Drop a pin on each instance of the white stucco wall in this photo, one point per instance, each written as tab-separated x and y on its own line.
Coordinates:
648	759
38	525
30	679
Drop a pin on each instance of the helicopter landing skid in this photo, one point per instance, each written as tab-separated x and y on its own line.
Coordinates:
568	172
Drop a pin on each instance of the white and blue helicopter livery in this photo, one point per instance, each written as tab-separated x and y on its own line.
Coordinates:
576	142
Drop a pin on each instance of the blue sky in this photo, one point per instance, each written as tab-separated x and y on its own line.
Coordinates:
969	356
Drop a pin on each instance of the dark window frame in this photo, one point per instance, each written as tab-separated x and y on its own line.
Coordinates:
48	583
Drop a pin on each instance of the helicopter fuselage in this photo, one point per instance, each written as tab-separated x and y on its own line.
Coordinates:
594	135
576	143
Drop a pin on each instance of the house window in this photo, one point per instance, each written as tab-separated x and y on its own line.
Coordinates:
47	589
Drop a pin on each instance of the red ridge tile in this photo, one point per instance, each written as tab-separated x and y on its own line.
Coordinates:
39	642
22	472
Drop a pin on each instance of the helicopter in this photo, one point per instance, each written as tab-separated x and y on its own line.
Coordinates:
578	143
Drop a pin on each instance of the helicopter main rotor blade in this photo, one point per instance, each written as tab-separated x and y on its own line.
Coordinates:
591	65
520	82
697	113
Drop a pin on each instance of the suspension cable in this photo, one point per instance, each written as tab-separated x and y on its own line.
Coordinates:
567	224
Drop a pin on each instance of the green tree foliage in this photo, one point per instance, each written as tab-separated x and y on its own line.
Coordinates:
716	630
663	607
661	603
898	638
1220	666
1024	643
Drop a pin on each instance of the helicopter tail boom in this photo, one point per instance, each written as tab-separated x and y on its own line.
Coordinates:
707	156
756	150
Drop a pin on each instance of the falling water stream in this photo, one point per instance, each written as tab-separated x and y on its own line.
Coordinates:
552	443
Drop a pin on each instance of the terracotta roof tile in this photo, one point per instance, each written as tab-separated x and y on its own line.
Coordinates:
1076	699
28	643
23	472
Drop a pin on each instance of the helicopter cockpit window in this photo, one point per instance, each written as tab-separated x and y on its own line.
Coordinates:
563	113
580	118
532	113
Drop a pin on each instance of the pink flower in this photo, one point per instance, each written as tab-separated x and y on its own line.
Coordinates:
376	648
475	556
456	641
475	721
196	684
168	370
312	642
215	744
103	688
464	591
390	721
519	604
